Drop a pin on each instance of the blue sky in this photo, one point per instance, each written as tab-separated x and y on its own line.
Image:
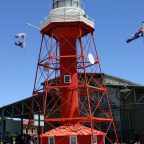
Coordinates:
115	20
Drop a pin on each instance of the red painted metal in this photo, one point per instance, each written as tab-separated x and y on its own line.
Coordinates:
84	101
68	66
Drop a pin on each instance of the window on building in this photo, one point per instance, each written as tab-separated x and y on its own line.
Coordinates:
73	139
51	140
94	139
67	78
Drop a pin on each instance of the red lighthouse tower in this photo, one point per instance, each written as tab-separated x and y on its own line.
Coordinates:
69	78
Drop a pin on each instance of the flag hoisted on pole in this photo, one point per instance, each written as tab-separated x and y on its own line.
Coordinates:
20	43
20	35
139	33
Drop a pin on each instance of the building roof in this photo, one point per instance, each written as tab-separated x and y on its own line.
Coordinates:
69	130
114	80
21	109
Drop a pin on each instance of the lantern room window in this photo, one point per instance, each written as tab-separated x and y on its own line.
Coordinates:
66	3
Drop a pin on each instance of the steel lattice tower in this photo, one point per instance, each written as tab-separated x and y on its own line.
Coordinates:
70	79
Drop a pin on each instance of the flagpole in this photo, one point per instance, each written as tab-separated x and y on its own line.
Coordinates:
143	27
31	25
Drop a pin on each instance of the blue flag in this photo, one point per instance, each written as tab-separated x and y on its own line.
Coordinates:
138	34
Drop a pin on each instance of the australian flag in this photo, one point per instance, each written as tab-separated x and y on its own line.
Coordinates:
139	33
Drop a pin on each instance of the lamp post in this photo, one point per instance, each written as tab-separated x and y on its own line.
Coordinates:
125	91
